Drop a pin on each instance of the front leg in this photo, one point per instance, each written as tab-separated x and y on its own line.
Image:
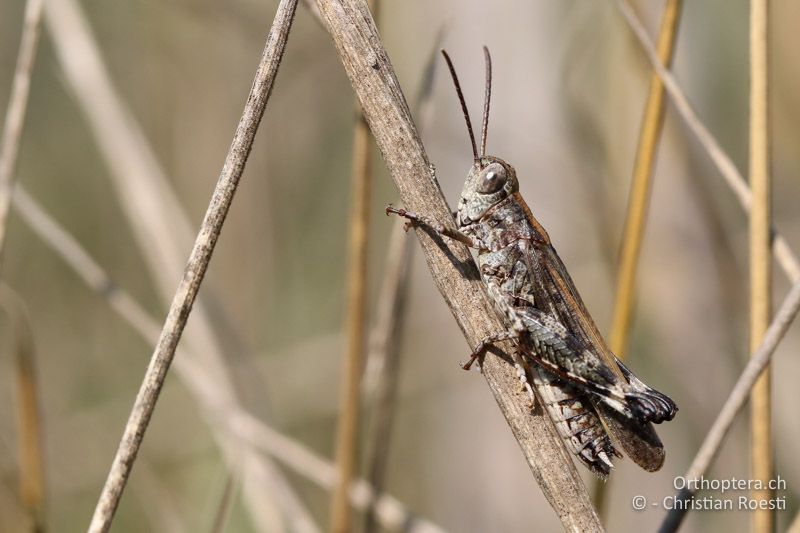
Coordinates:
422	220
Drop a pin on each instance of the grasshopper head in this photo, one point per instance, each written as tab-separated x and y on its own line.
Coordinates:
490	181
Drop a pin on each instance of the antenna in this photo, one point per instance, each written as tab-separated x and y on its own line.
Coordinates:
487	98
463	105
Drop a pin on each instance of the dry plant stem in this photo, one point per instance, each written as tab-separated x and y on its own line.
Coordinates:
29	422
159	225
785	257
225	504
157	501
17	105
353	364
195	268
391	513
736	401
638	201
202	383
794	527
761	453
641	184
200	380
163	233
388	340
451	265
383	366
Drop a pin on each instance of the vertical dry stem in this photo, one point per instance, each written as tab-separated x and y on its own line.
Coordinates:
29	422
638	200
784	256
195	269
227	420
735	402
347	430
761	459
163	234
17	105
451	265
386	353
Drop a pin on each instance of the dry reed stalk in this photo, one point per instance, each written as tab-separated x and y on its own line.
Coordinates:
391	513
195	269
29	420
225	504
202	383
386	355
784	255
638	200
375	83
641	184
355	324
17	105
761	453
163	233
794	527
383	365
735	402
158	502
160	227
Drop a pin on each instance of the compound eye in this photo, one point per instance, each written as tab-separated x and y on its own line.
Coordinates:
494	177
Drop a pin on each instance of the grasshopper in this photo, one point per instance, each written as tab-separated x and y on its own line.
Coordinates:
593	399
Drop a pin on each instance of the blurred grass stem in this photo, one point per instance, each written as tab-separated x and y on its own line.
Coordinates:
195	270
29	420
163	234
233	420
641	185
383	366
355	324
375	83
17	106
638	201
784	255
735	402
761	452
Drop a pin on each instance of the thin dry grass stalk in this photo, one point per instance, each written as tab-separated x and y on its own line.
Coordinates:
383	365
256	435
641	184
735	402
784	255
386	355
225	504
391	513
451	264
162	232
761	453
160	228
355	325
17	105
195	269
794	527
29	421
202	383
638	201
158	502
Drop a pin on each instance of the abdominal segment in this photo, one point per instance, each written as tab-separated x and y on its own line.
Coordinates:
576	422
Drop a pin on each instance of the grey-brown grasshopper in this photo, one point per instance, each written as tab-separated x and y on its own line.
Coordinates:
586	390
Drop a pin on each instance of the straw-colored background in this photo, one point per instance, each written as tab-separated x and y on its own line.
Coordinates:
570	85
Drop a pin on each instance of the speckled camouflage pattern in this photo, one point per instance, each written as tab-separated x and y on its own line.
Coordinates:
577	378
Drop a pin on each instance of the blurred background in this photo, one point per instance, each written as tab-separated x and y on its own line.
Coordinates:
570	83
